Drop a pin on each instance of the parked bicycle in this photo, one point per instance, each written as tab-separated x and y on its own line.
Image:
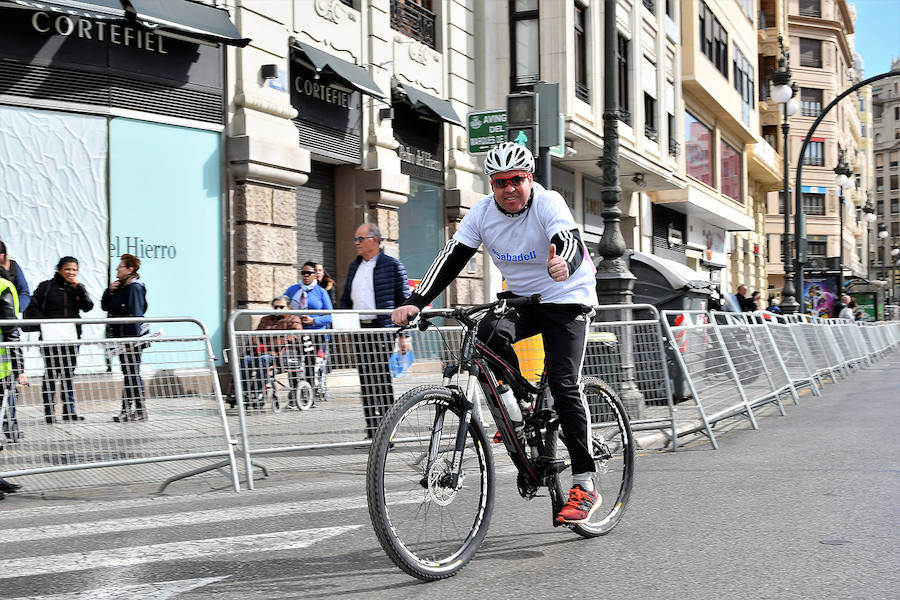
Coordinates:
430	477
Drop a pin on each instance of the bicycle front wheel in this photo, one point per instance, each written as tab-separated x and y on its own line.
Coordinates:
613	450
428	527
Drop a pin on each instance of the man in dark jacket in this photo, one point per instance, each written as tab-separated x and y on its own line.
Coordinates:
374	281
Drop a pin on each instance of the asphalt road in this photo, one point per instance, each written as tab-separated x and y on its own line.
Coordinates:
806	507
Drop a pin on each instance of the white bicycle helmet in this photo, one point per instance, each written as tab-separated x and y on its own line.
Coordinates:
508	156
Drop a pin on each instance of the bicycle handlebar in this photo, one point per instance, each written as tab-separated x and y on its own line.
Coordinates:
421	321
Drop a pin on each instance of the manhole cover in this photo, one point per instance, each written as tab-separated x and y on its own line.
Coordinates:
834	542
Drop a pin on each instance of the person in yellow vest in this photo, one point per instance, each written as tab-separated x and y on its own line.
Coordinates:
11	371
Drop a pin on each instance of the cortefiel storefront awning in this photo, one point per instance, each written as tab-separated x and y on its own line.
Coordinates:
354	75
420	101
183	17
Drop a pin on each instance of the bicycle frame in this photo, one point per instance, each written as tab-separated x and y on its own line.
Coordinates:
480	365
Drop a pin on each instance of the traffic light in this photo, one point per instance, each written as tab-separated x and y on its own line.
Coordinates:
522	120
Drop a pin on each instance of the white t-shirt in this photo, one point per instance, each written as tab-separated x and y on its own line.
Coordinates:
519	246
362	290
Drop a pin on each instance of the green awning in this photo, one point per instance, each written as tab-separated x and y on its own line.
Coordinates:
188	19
355	76
428	104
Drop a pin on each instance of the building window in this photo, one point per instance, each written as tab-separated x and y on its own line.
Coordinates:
770	134
670	9
893	182
816	249
810	8
650	117
415	19
895	229
892	159
810	53
713	39
814	204
879	161
622	60
810	102
815	154
743	80
879	184
582	91
731	172
650	5
767	10
673	143
895	206
698	149
747	8
862	105
879	207
897	113
525	41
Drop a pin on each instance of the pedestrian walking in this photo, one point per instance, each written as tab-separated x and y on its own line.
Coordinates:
374	281
16	276
61	297
127	297
847	311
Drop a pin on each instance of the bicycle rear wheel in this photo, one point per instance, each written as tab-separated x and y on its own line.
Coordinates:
613	450
429	529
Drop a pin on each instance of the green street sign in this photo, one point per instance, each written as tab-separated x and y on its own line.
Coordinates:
485	129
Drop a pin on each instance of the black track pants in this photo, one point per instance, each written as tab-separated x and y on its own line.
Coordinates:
563	328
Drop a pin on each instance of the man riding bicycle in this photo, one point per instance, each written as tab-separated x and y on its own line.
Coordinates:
520	224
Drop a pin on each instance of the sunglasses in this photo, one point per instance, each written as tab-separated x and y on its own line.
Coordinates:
307	272
361	239
279	307
501	183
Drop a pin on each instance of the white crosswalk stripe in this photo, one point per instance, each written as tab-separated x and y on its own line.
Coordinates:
200	517
162	590
173	551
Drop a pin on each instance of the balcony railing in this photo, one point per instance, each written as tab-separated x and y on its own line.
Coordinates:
674	148
582	92
650	132
414	20
650	5
811	11
625	115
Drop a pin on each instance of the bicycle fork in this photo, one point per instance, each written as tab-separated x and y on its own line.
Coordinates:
466	408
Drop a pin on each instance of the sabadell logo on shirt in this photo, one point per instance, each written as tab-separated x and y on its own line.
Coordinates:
514	257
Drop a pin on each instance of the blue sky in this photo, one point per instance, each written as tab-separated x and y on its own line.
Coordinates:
877	33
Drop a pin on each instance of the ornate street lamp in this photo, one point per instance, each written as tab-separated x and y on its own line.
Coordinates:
842	178
783	93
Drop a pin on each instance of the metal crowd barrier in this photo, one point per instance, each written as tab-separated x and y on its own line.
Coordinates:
625	349
793	354
703	357
764	376
162	390
315	389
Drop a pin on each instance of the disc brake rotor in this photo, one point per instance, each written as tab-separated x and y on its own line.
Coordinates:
439	486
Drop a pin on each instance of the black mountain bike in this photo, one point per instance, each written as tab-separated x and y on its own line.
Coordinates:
430	477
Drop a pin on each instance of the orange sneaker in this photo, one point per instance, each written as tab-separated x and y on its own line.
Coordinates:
580	507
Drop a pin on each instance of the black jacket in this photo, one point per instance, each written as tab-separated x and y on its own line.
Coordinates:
58	299
125	301
390	282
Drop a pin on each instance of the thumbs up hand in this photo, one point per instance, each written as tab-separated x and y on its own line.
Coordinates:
556	266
